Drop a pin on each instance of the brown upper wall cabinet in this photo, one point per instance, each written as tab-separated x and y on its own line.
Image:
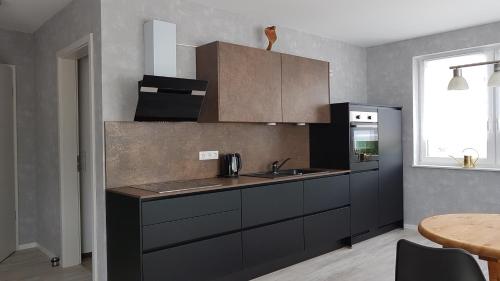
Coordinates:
244	83
254	85
305	90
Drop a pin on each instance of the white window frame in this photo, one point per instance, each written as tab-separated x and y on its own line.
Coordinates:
493	147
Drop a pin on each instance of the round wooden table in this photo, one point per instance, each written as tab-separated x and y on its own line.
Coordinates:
478	234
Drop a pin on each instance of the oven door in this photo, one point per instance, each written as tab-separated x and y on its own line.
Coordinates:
364	142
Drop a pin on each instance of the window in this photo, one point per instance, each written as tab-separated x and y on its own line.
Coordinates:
451	124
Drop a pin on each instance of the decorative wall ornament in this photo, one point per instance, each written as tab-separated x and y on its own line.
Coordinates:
270	32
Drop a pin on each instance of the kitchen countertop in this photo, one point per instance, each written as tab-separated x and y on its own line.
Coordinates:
175	188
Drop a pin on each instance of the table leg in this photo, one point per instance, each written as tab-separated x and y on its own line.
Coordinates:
494	270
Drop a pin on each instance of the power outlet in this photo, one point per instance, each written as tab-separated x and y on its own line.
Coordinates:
209	155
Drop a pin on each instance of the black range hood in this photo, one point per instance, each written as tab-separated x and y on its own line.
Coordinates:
169	99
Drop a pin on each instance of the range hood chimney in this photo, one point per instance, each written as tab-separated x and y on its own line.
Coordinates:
160	48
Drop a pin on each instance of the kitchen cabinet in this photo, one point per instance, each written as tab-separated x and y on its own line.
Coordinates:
234	234
266	244
326	193
390	166
203	260
167	222
260	204
323	231
254	85
376	186
244	84
364	202
305	90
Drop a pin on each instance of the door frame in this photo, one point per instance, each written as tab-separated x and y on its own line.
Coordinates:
16	180
67	88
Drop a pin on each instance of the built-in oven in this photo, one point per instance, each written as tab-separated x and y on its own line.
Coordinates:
364	139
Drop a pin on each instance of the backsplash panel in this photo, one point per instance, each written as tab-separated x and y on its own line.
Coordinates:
143	152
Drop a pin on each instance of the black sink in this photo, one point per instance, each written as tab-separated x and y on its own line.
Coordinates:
286	173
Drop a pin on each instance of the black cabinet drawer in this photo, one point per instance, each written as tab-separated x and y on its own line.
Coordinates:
165	234
271	203
323	230
326	193
190	206
204	260
272	242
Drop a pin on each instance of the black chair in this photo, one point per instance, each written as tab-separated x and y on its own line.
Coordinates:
415	262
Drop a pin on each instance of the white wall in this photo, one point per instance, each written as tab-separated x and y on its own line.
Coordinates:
430	191
17	48
75	21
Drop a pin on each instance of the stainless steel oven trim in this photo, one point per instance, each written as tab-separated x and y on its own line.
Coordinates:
363	116
372	126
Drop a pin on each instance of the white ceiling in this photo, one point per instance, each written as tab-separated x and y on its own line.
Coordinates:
366	22
28	15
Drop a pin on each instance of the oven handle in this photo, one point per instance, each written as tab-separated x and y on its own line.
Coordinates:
374	126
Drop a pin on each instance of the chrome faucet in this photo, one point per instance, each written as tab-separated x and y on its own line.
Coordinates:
276	166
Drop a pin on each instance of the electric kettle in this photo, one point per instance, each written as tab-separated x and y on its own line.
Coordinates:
231	165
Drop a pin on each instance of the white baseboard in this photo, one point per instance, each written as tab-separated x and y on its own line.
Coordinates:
35	245
27	246
45	251
410	226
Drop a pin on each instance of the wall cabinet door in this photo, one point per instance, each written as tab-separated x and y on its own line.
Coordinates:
364	202
244	83
254	85
305	90
391	166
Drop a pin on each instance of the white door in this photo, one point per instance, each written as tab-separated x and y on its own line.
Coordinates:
7	162
85	154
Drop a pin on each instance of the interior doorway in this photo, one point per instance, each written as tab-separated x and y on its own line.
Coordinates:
8	163
84	149
77	153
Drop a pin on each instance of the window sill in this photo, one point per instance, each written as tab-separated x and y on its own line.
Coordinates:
479	169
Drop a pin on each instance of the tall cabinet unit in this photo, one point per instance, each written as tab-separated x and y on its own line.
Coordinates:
376	190
390	166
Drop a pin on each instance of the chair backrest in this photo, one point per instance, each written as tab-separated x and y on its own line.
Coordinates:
415	262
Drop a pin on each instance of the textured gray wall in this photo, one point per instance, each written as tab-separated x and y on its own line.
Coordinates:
430	191
16	48
123	50
76	20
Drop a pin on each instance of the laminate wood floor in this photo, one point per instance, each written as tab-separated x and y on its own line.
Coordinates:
372	260
33	265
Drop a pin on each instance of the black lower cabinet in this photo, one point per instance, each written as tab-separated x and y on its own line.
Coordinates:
204	260
161	235
364	202
269	243
324	230
231	235
270	203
